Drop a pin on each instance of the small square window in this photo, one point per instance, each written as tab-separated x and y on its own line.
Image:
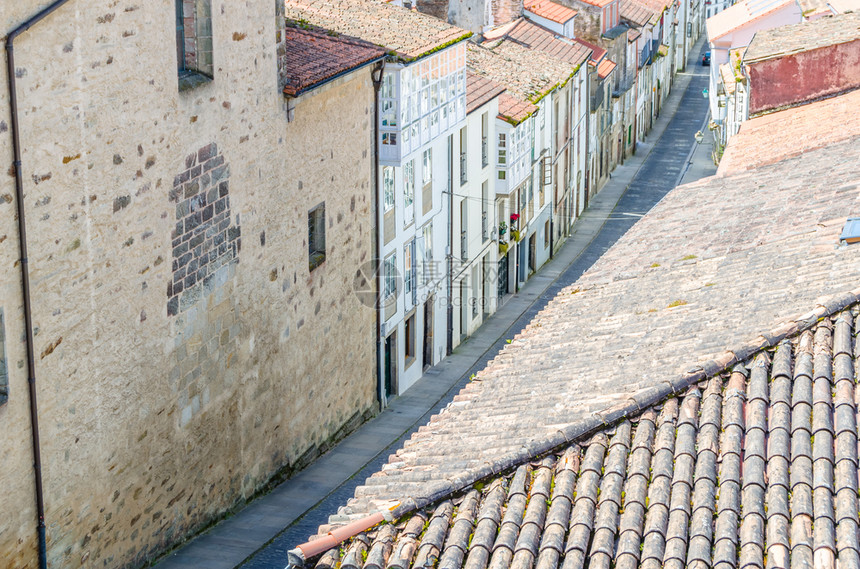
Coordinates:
316	236
194	42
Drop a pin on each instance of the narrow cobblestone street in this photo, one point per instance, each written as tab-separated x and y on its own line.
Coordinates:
300	505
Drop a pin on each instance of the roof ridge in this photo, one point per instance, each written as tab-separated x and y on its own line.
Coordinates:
638	402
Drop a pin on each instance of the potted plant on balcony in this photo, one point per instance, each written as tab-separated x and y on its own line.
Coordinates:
515	232
503	237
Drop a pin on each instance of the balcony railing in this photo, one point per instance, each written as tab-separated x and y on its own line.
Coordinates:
597	97
485	233
485	153
463	176
624	85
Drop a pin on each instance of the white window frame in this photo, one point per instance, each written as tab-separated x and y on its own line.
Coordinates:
427	168
389	273
409	192
387	188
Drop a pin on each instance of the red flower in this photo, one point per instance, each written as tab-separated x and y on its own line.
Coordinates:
515	216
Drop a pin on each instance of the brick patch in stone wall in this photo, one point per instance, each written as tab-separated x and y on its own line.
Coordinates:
204	238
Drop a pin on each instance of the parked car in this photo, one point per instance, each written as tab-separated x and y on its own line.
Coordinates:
706	59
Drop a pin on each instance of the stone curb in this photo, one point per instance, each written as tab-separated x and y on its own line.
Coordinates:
635	404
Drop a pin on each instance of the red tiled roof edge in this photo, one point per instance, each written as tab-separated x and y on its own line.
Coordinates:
493	90
597	52
370	54
638	402
510	34
556	12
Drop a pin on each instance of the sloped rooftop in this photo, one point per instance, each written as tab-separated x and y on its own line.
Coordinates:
550	10
806	36
635	12
515	110
755	467
312	57
741	14
657	7
531	35
728	77
597	52
792	132
527	74
606	67
480	91
409	33
843	6
717	271
597	3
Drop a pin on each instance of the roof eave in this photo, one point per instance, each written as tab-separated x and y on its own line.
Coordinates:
337	75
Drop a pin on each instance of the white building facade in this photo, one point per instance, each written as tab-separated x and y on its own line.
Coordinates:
474	223
422	108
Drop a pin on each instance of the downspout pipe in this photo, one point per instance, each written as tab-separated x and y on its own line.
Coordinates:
449	311
25	273
376	77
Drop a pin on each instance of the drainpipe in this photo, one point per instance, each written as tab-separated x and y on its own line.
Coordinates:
376	77
450	308
586	167
517	252
25	274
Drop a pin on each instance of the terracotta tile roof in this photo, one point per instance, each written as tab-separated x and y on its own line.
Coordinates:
741	14
657	7
597	3
606	67
527	74
635	12
533	36
730	72
813	8
550	10
728	78
792	132
597	52
806	36
409	33
514	110
311	57
842	6
716	272
756	467
480	91
633	34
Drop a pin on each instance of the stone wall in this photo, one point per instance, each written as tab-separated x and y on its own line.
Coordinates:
476	16
173	384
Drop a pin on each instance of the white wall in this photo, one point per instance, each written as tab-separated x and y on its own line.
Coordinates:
436	139
478	248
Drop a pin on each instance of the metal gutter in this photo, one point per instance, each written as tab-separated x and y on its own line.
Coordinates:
25	272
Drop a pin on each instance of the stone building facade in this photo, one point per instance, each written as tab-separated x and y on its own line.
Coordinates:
191	345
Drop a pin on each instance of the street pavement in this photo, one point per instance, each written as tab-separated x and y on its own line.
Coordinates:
258	536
